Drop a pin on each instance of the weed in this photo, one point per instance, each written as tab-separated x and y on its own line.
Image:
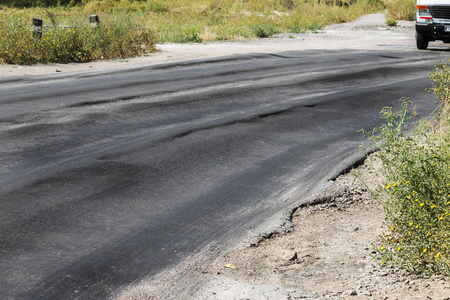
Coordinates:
194	38
440	81
391	22
263	30
416	190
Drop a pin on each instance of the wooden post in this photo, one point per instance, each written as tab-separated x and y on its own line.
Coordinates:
94	21
37	28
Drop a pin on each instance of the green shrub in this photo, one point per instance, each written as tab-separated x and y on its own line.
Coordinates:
416	190
263	30
440	79
192	38
116	38
391	22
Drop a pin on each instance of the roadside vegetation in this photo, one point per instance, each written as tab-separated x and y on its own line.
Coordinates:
416	190
132	27
400	10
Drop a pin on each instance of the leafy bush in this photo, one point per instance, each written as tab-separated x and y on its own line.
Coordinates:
416	190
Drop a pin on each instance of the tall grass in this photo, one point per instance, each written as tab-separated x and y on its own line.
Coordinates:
73	40
400	9
416	191
134	22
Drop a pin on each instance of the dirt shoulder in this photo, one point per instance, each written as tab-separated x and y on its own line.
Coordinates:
328	253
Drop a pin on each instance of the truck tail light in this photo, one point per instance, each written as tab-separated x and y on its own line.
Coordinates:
423	15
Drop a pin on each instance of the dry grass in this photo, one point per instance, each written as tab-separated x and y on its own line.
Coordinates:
132	26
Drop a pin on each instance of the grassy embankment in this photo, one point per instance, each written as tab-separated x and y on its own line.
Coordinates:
416	191
131	27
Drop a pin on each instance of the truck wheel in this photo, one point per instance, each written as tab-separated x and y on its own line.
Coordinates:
421	42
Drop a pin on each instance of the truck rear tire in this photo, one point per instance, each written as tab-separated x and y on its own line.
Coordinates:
421	42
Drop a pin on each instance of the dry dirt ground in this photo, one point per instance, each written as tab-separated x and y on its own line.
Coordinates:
327	251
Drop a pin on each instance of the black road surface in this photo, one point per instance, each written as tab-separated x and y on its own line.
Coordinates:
108	177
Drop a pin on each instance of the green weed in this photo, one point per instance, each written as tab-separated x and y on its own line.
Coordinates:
440	81
263	30
391	22
416	190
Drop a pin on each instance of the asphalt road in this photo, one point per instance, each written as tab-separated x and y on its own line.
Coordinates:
110	176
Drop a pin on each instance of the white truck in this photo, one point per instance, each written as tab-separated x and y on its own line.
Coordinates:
432	22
